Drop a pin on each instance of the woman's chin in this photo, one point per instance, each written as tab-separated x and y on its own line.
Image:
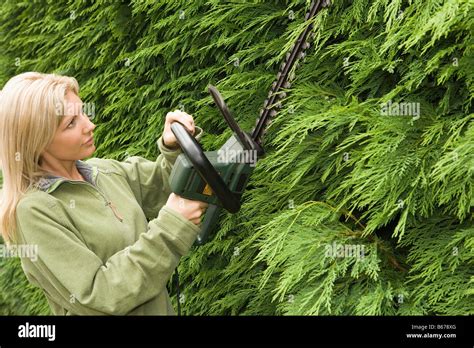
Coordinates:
89	151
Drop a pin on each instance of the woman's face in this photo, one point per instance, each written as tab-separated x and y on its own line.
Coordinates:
70	142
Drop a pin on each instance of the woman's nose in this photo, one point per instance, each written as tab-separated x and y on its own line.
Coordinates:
90	126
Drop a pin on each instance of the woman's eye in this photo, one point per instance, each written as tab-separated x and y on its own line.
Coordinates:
72	122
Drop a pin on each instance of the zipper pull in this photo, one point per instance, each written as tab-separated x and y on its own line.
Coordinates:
114	209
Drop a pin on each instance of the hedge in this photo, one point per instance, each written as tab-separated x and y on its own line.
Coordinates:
363	204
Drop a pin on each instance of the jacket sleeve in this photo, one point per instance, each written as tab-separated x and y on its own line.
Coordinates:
149	180
77	278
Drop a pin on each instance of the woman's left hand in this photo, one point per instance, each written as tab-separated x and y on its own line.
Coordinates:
186	120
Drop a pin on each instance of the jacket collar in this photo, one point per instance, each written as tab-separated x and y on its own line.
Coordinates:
49	183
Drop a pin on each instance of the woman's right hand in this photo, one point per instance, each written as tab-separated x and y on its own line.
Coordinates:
191	210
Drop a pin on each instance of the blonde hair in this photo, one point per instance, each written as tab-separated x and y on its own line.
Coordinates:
30	104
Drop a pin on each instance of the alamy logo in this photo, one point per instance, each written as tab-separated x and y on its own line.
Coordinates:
237	156
32	331
20	250
345	250
400	109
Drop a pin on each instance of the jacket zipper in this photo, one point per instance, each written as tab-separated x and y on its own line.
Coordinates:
107	201
114	209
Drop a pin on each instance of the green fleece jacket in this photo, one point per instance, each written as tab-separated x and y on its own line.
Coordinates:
107	245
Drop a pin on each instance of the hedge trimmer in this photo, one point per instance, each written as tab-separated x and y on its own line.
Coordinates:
220	177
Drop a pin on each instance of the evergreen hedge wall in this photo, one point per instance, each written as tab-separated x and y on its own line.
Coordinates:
364	203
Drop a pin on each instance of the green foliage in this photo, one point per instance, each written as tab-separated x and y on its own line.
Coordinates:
338	171
17	295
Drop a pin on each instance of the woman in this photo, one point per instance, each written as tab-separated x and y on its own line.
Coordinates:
109	234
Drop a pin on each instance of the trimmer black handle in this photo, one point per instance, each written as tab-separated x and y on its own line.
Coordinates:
193	151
